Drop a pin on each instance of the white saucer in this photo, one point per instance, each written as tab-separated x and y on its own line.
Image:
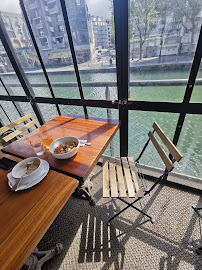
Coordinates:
11	180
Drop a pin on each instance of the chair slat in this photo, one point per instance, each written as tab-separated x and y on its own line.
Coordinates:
19	131
161	152
105	179
15	123
113	182
122	188
129	182
136	178
171	147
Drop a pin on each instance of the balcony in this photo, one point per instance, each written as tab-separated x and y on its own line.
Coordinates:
53	10
49	19
51	29
33	6
39	25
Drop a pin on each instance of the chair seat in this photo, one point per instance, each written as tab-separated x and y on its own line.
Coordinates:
120	178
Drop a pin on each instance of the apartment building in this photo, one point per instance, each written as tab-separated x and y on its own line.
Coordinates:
49	29
16	30
101	31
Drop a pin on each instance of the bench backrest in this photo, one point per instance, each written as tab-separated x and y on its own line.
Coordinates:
18	131
167	142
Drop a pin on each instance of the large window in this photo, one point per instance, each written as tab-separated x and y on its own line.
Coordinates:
130	61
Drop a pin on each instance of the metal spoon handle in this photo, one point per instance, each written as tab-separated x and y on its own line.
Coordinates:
17	183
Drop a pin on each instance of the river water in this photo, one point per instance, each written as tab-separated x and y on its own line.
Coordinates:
190	142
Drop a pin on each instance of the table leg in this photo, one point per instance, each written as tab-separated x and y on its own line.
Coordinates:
38	258
84	190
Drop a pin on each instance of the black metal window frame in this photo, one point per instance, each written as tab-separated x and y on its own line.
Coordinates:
121	11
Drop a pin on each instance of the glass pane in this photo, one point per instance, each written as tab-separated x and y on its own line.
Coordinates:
8	76
140	123
163	38
48	111
75	110
92	29
190	145
197	92
47	23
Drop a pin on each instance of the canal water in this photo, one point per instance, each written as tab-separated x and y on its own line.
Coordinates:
190	142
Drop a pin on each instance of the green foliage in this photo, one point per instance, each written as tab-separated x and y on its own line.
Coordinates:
143	18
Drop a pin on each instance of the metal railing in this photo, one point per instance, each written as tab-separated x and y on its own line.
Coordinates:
137	83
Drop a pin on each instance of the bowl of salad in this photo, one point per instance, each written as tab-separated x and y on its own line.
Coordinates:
65	147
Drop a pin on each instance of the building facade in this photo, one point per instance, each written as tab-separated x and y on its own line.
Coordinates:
101	31
49	29
170	36
16	29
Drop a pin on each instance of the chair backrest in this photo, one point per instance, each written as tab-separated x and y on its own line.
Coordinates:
18	131
167	142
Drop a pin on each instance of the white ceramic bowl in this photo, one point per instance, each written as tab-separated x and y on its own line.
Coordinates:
18	170
64	141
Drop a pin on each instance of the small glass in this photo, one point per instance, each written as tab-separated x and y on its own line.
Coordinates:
37	143
47	138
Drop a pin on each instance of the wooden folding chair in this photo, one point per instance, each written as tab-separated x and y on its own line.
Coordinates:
8	133
123	178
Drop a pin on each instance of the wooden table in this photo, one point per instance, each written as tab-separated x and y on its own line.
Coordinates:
99	132
26	215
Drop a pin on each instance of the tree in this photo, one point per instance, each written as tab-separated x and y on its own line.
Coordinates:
186	11
143	18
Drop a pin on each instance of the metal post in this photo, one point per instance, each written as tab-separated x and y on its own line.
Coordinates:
190	85
109	115
121	8
38	52
19	70
71	45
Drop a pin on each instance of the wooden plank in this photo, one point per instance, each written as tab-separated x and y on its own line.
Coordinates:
19	131
128	178
121	183
113	181
15	123
136	179
171	147
161	152
25	236
105	179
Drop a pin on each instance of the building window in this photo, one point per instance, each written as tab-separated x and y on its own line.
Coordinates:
38	21
44	42
59	18
61	28
59	40
11	34
41	33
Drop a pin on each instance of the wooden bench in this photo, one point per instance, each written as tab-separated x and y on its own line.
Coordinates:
16	132
121	178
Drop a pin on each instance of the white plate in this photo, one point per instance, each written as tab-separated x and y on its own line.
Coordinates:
11	180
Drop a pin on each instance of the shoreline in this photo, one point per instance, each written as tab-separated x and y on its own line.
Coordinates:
107	69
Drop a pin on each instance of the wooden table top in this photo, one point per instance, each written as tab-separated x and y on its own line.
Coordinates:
26	215
98	132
